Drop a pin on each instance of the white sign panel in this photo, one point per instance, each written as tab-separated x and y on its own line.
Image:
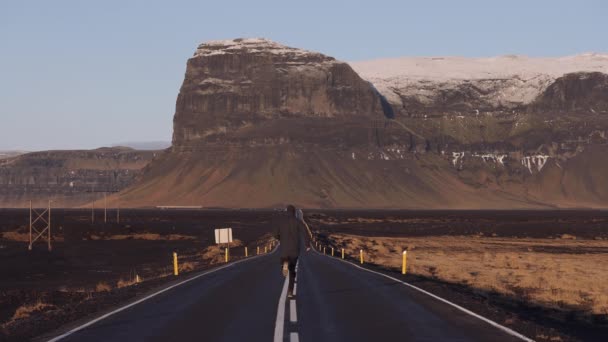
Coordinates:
223	235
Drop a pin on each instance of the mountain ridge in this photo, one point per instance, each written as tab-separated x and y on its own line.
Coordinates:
261	124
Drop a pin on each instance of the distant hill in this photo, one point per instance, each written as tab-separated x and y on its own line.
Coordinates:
68	177
9	154
145	145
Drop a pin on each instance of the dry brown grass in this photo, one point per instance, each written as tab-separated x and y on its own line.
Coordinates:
102	286
213	255
129	282
144	236
15	236
23	237
187	266
27	310
563	273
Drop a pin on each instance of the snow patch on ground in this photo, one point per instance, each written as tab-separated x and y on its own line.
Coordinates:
492	157
534	162
457	159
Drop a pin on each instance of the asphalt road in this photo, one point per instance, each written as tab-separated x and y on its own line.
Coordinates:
334	301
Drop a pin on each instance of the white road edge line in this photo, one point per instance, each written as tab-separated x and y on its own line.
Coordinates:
280	322
293	314
293	337
489	321
295	287
64	335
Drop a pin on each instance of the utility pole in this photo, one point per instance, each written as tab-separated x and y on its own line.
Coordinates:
30	245
105	208
105	204
35	230
49	235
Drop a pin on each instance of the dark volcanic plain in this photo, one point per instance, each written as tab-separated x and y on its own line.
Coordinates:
84	272
93	266
588	224
541	273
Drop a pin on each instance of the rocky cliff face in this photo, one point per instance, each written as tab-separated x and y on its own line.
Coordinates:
259	124
69	178
583	92
233	86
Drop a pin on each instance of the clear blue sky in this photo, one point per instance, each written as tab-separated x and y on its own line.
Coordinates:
84	74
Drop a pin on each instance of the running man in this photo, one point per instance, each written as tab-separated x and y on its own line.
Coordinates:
290	230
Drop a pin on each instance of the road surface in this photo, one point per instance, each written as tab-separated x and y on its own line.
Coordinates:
335	301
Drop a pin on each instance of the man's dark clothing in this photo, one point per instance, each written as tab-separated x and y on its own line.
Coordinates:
290	231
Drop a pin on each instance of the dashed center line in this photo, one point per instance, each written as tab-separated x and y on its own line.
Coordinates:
279	328
280	322
293	314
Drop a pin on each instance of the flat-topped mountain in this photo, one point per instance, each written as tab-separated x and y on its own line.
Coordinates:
232	86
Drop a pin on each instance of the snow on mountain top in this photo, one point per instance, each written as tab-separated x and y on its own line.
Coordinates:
251	45
454	68
506	80
239	41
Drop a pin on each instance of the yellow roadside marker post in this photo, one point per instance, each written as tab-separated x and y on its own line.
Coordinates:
323	249
175	269
361	256
226	252
265	249
403	268
258	250
332	251
246	254
342	253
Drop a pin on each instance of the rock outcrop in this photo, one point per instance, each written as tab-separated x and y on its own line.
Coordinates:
259	124
576	92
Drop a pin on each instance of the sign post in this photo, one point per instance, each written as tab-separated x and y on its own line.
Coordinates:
224	235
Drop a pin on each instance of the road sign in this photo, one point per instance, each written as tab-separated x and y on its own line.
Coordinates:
223	235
